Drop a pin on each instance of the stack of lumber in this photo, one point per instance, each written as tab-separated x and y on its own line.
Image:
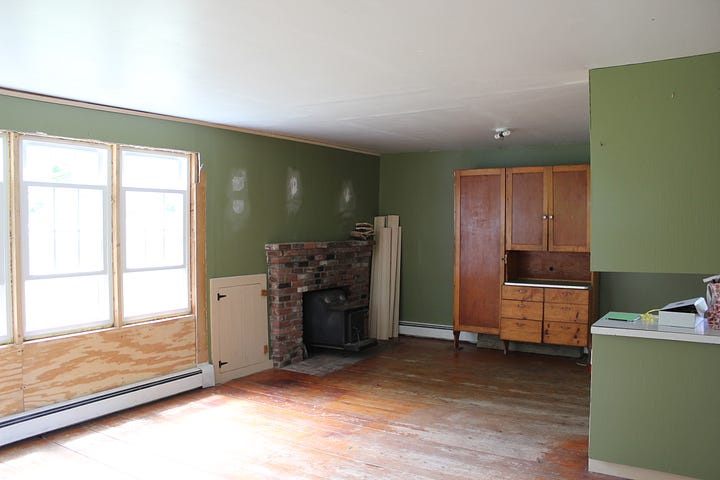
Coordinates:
363	231
385	279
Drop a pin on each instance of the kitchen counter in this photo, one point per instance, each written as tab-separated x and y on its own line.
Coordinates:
549	284
643	329
653	400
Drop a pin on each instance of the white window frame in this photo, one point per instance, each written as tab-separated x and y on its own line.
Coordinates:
187	243
15	217
5	272
24	233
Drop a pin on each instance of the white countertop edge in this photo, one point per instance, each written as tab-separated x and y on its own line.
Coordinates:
547	285
654	334
628	471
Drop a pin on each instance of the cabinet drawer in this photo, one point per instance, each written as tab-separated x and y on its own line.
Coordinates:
528	294
522	310
566	295
566	312
521	330
559	333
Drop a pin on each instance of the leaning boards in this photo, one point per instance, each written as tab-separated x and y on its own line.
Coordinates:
385	278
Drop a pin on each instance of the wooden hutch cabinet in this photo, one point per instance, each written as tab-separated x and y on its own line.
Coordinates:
522	254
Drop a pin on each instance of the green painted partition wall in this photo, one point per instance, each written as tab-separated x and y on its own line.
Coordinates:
655	156
653	405
247	178
419	188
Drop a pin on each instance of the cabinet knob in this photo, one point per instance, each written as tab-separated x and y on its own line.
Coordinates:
545	217
551	217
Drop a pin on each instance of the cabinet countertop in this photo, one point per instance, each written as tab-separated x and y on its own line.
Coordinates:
650	329
548	284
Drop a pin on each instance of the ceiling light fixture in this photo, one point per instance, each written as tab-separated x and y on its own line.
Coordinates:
501	133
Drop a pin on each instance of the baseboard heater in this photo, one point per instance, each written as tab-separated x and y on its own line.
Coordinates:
431	330
59	415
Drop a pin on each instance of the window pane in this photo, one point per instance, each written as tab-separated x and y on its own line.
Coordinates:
66	236
4	239
156	171
154	229
64	163
155	218
68	303
155	292
65	230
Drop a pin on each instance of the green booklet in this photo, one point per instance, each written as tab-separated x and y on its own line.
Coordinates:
625	317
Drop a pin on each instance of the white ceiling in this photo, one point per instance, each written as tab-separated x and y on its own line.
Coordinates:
375	75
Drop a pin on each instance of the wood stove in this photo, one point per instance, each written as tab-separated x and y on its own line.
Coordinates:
330	322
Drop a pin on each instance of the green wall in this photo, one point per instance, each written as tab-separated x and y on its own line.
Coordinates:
655	158
640	292
655	149
241	216
661	414
419	188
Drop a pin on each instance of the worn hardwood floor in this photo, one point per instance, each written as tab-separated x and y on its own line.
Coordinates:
416	410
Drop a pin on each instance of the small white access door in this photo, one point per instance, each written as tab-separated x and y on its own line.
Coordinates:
239	326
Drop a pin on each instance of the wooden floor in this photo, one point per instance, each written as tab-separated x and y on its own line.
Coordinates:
416	410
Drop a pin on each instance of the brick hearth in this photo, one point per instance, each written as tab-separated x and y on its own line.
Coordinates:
296	268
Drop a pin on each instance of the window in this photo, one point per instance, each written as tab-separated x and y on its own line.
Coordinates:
5	328
65	218
103	235
155	217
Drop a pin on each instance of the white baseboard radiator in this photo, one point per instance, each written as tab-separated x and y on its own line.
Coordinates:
59	415
431	330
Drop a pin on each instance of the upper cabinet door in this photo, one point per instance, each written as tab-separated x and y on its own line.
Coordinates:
526	208
569	213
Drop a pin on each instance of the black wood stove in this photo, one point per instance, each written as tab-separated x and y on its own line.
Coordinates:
329	322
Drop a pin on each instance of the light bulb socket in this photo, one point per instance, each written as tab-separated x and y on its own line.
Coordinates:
501	133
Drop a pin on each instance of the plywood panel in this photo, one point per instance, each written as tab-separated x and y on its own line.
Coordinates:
11	400
65	368
159	348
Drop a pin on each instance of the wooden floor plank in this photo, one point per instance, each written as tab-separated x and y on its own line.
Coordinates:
416	409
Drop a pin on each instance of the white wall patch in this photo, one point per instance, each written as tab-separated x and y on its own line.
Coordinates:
293	191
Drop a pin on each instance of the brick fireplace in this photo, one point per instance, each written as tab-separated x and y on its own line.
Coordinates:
296	268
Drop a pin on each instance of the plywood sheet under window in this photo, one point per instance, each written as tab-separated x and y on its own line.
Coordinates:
65	368
11	391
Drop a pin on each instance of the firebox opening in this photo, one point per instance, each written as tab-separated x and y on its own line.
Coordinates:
329	321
